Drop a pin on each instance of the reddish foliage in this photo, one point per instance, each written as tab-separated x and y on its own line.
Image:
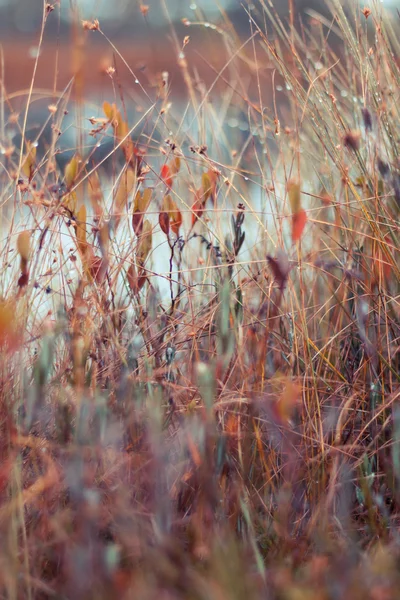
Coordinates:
299	220
24	278
166	175
163	219
137	222
97	268
198	209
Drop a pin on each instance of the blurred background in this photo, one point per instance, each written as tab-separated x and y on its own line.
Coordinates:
141	30
125	17
149	36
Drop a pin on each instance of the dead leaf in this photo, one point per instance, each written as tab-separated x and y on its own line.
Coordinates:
24	245
126	184
140	206
169	206
80	230
71	171
293	189
28	165
145	243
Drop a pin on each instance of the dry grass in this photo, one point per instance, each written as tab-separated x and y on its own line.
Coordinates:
200	331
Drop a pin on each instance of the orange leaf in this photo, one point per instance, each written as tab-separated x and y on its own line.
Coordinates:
169	206
97	268
197	210
176	221
166	175
213	176
288	401
299	219
135	281
132	278
121	131
129	151
10	330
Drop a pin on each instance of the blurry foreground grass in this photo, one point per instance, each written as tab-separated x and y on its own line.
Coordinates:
200	343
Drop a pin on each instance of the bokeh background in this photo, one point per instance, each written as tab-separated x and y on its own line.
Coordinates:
142	31
148	35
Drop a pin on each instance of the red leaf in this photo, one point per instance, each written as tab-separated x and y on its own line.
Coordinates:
198	209
166	175
141	281
24	279
299	219
137	222
136	280
280	267
163	219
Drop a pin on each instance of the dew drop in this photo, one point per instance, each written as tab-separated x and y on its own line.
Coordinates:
136	80
193	6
